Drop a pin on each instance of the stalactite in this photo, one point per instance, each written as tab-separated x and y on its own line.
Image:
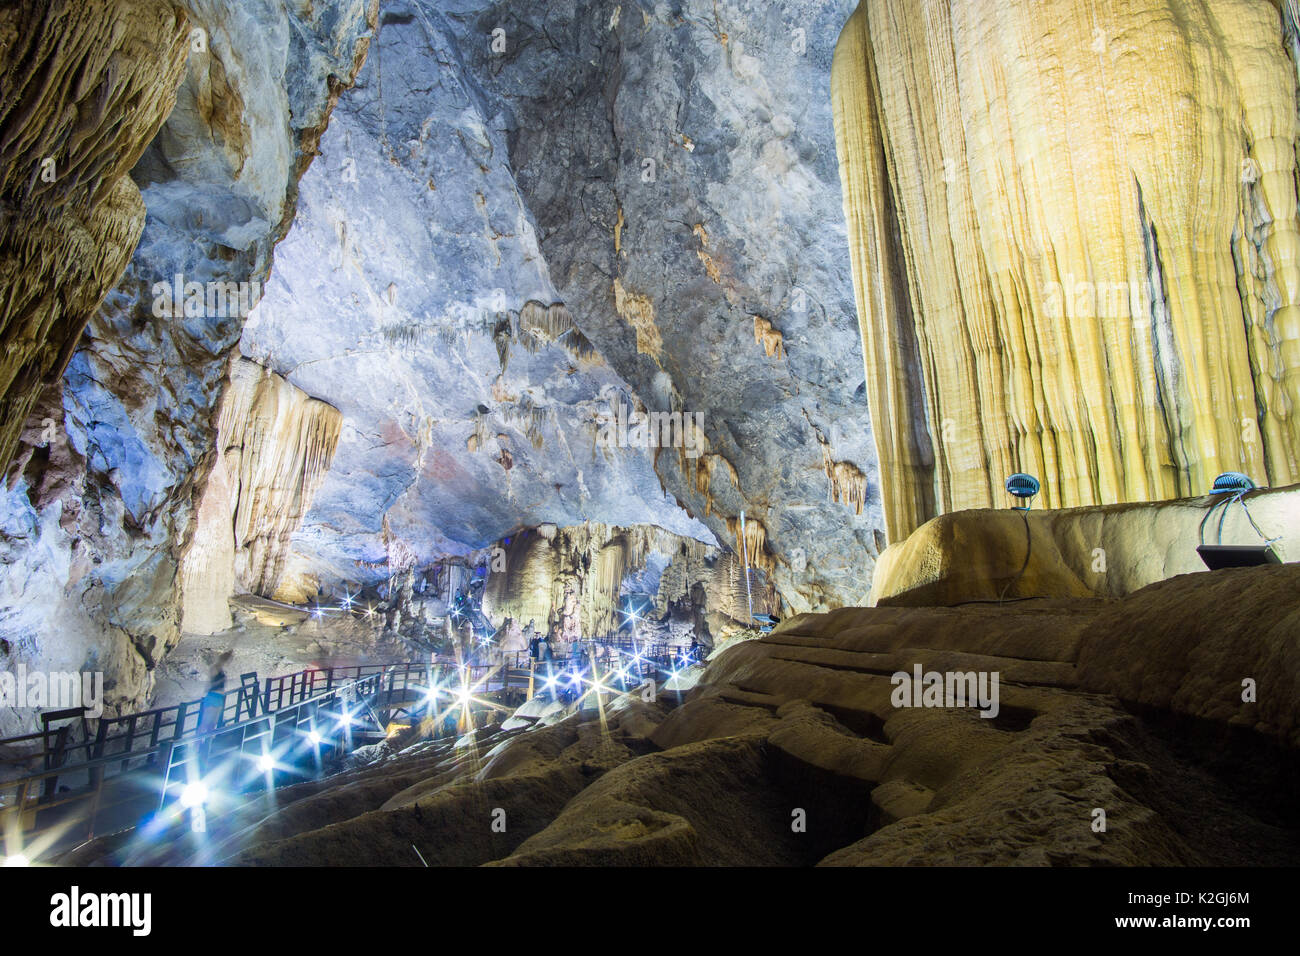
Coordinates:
638	312
280	443
848	485
482	433
771	339
502	336
84	87
581	347
546	323
711	268
705	466
755	542
704	481
600	588
528	417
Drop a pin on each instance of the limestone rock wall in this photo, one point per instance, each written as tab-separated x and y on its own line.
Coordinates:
92	559
1075	245
412	295
84	86
679	162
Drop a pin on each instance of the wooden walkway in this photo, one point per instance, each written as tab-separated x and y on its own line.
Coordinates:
78	778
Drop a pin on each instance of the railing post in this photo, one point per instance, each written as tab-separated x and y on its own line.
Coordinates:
247	696
55	760
179	731
98	749
24	794
157	726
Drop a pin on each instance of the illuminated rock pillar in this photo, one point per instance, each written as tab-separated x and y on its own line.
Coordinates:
1075	244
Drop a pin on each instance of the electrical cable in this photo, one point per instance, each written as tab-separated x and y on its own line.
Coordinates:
1029	544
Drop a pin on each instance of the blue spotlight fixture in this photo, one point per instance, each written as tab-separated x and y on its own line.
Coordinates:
1023	487
1229	488
1232	481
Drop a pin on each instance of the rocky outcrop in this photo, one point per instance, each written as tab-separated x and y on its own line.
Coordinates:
84	87
1075	245
985	555
92	574
1160	728
489	411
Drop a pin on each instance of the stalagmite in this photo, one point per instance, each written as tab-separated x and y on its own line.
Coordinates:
1075	245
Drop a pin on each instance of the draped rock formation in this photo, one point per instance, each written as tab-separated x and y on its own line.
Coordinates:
575	576
84	86
1075	245
278	443
275	443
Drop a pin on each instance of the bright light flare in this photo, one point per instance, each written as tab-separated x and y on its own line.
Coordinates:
194	795
17	859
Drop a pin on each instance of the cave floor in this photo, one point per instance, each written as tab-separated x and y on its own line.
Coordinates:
1121	737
